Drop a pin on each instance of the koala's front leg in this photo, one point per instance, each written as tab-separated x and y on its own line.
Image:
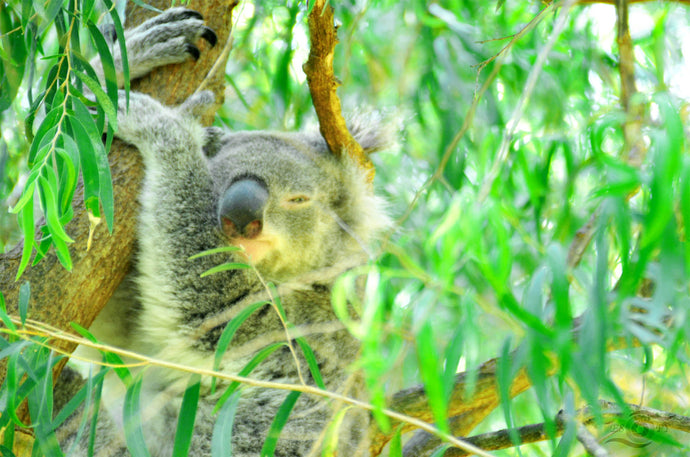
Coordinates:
165	39
178	195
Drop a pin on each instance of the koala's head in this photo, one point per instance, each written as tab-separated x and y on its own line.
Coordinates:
291	204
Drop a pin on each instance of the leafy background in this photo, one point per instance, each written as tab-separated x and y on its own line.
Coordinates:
489	186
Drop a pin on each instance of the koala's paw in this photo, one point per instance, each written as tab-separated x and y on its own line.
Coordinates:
141	118
170	37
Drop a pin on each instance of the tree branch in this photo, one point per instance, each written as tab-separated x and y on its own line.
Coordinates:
632	127
323	87
638	417
465	413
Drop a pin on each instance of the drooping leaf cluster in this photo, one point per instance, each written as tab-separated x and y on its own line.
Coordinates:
43	57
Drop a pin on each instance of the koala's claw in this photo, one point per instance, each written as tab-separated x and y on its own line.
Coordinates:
193	51
209	35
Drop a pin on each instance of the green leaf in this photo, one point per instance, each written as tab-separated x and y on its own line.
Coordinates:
101	97
221	440
440	450
685	207
429	368
279	422
504	378
330	441
52	212
89	167
312	362
5	317
69	164
229	332
560	287
105	188
49	15
81	396
666	152
216	251
119	31
395	448
92	388
134	433
185	421
106	62
26	222
40	402
28	193
24	294
46	133
247	369
225	267
452	355
12	378
112	359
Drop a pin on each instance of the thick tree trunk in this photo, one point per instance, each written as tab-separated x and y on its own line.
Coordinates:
59	297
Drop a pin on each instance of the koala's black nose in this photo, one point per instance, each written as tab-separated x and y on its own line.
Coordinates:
241	208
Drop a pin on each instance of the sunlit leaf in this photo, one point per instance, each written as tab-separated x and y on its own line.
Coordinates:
221	440
279	422
185	421
132	417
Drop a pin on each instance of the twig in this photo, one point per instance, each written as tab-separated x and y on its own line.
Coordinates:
502	154
469	116
221	61
581	240
589	442
485	398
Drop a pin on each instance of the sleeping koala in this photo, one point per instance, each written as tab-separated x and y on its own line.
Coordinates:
300	217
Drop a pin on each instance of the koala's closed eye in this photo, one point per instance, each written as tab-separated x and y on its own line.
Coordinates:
298	200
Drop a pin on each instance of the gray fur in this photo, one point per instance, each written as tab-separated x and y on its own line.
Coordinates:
318	219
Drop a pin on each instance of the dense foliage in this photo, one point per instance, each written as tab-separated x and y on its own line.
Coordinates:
528	202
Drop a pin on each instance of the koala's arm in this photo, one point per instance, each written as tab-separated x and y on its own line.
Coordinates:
178	212
178	216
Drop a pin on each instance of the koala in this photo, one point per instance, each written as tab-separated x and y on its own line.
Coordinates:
300	217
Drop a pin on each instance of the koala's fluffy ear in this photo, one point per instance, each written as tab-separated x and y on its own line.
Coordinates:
214	139
373	131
